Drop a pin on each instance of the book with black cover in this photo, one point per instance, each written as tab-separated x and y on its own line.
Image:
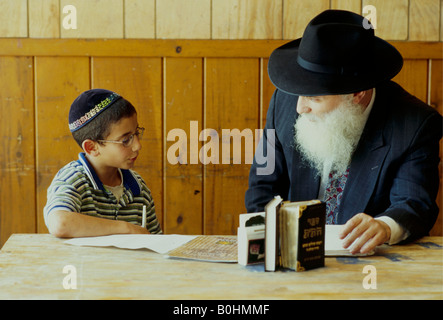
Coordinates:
302	235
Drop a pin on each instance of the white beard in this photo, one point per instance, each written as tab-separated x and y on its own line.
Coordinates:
331	138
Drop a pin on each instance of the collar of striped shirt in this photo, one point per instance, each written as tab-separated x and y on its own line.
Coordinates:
129	180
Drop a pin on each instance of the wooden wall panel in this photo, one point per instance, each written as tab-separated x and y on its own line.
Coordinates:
183	208
95	19
246	19
392	18
17	163
424	19
414	78
232	102
210	19
298	13
139	80
267	91
139	19
14	18
59	80
44	18
192	19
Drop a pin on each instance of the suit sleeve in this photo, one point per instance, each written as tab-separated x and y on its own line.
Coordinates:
268	176
415	185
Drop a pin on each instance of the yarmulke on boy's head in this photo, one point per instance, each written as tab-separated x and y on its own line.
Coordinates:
88	105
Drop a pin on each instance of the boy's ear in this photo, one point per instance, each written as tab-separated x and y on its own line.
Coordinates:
90	147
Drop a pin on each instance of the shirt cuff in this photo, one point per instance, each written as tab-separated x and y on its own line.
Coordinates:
398	233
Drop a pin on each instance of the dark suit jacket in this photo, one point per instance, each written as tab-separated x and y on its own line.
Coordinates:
393	172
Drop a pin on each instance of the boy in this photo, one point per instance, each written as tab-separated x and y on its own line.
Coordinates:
99	194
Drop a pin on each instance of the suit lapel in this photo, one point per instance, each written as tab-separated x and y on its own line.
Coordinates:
365	166
305	182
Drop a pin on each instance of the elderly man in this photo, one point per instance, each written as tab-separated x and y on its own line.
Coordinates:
344	133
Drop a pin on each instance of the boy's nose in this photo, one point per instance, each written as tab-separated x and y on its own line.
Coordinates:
136	144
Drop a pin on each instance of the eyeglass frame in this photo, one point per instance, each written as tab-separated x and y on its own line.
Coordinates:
139	133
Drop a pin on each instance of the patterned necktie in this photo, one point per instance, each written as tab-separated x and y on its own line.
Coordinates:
333	195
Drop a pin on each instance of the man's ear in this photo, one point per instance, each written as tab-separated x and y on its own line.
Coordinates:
90	147
363	97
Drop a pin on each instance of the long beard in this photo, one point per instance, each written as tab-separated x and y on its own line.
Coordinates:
331	138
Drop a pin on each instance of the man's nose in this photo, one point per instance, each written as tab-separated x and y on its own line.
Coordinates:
303	105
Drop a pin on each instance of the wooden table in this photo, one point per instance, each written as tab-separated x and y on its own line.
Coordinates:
32	267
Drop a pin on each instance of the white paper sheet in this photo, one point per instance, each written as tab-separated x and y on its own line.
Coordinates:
334	245
159	243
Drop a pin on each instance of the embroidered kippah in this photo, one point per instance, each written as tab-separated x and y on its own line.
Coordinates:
88	105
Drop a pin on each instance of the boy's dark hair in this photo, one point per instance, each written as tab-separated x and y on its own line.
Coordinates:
99	127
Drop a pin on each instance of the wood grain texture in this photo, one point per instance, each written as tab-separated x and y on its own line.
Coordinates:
392	18
298	13
139	80
44	18
17	134
95	19
232	102
13	18
183	209
139	19
247	19
58	82
424	19
177	19
412	271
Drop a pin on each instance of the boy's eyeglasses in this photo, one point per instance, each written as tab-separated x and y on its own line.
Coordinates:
127	142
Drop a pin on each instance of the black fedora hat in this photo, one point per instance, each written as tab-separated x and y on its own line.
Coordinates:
338	54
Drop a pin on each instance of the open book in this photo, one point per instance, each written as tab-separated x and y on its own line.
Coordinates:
334	245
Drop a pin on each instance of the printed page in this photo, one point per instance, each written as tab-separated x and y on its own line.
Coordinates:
208	248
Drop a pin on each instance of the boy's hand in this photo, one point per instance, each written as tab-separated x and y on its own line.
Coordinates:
369	231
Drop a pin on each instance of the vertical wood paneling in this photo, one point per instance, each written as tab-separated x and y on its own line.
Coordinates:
139	19
95	19
177	19
58	82
298	13
14	18
17	163
246	19
232	102
183	207
392	18
44	18
424	16
350	5
266	92
414	78
139	80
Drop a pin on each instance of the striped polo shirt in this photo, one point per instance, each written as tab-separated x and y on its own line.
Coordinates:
77	188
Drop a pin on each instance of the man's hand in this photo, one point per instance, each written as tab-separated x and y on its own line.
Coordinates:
369	231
